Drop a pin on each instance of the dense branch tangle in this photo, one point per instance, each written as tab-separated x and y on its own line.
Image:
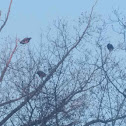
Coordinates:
42	84
87	91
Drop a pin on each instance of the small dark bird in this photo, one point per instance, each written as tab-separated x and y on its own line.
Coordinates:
110	47
25	40
41	74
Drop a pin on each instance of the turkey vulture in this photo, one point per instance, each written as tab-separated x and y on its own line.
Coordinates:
41	74
110	47
25	40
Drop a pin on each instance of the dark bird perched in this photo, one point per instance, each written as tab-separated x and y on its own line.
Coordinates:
25	40
110	47
41	74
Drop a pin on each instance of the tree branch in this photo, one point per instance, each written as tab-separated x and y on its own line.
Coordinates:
5	68
104	121
6	17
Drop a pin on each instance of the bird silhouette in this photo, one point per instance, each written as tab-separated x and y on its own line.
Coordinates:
41	74
25	40
110	47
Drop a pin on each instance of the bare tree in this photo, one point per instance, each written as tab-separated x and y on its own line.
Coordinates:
83	84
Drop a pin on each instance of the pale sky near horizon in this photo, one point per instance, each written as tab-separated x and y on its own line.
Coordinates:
29	17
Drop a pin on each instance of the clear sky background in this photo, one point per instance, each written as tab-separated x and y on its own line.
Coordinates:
29	17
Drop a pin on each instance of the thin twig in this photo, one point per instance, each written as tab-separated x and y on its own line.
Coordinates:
6	17
7	64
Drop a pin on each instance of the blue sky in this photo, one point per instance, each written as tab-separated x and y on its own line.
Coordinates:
29	17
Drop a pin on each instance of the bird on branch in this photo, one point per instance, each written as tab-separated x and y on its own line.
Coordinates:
41	74
25	41
110	47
